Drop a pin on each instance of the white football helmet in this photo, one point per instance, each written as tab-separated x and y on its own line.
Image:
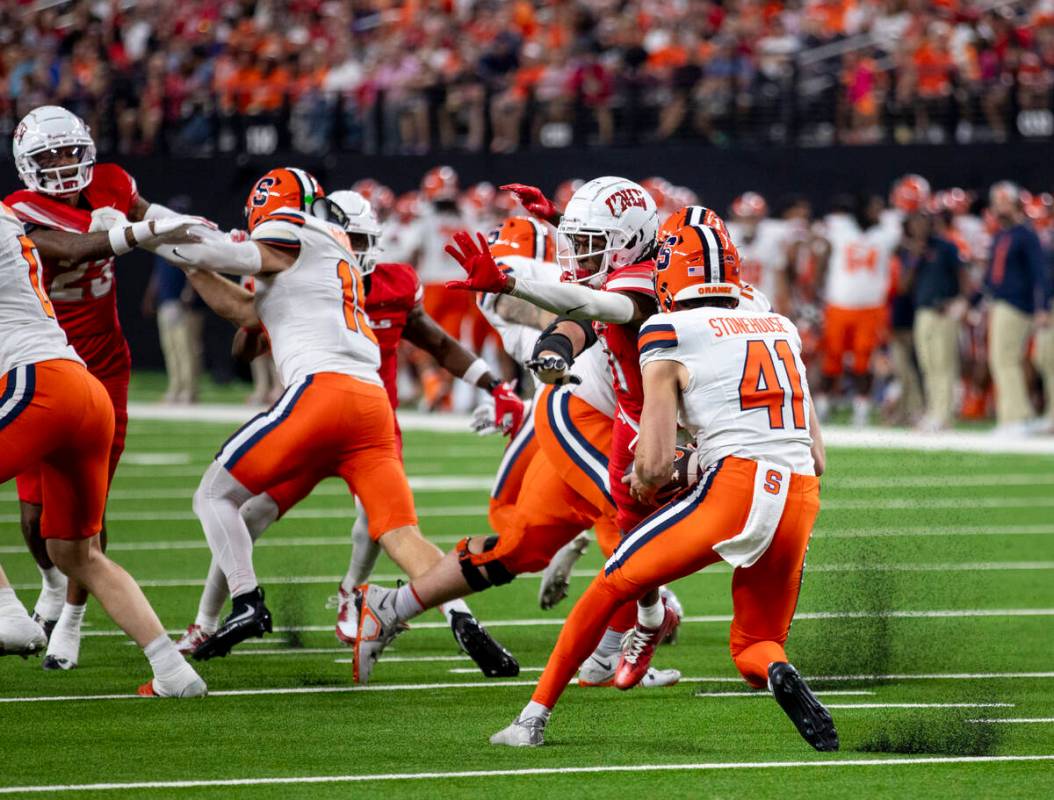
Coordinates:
608	223
360	219
49	129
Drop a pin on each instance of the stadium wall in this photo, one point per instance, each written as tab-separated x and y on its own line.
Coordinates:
217	186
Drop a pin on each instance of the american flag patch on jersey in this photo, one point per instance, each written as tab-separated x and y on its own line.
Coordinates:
653	337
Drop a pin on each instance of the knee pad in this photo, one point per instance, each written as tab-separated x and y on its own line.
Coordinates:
497	573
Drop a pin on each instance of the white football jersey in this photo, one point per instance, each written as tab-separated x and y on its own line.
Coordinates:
747	395
763	256
314	311
519	340
29	332
858	273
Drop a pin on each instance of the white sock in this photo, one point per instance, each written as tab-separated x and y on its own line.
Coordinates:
651	616
407	605
164	658
70	619
52	593
449	608
217	502
364	552
9	604
65	640
610	644
533	709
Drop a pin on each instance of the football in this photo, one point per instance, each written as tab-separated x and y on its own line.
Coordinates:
685	473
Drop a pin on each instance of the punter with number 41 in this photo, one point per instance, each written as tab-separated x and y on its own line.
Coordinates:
738	379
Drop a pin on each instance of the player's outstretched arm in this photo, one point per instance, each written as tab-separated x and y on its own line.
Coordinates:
118	237
819	451
423	331
229	300
219	253
564	299
657	442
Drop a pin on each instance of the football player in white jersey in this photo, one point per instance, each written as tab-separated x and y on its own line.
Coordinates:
56	416
737	381
764	247
334	412
859	239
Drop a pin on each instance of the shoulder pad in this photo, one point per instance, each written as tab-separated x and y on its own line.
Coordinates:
40	210
635	278
111	186
278	231
656	334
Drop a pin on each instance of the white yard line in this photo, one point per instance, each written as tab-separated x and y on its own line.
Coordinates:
530	771
708	618
1019	721
199	543
938	481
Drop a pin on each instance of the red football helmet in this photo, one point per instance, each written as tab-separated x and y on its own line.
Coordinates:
750	205
285	187
440	183
696	261
910	193
523	236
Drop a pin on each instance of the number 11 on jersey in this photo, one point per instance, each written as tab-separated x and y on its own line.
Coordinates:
354	301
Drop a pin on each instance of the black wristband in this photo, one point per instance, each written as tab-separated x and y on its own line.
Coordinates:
557	343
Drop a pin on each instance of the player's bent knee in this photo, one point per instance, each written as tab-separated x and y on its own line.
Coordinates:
480	576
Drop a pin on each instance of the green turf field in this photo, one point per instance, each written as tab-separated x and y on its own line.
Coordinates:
928	605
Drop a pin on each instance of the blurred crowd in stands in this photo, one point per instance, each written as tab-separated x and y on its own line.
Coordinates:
923	309
409	76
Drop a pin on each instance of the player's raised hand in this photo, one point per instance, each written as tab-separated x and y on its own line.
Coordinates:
533	199
483	273
552	368
102	219
508	408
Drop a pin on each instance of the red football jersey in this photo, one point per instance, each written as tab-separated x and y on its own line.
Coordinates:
393	291
620	341
83	294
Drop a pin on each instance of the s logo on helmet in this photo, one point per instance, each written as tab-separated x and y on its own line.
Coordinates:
662	261
624	199
261	192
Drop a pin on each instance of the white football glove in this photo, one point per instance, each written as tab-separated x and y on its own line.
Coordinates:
552	369
173	230
482	421
102	219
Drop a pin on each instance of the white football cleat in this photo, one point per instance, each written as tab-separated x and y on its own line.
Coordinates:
346	617
64	647
658	678
185	685
528	732
598	670
375	626
21	636
194	636
557	575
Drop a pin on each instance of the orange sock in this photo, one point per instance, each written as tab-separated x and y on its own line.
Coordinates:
579	637
753	662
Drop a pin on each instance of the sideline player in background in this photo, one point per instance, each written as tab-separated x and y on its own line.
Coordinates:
737	379
65	192
395	312
764	246
58	420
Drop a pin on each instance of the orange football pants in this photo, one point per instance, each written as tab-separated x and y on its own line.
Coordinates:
557	499
519	452
851	330
327	424
679	540
57	418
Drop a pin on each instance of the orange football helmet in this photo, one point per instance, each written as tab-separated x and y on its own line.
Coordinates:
1039	208
440	183
407	206
479	197
285	187
660	190
523	236
750	205
696	261
910	193
380	196
690	215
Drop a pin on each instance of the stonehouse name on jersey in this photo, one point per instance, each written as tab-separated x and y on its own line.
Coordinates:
739	326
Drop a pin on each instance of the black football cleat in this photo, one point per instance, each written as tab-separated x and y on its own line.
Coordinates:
247	619
493	660
812	720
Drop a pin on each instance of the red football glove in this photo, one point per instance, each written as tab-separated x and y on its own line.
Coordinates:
533	199
483	273
508	408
